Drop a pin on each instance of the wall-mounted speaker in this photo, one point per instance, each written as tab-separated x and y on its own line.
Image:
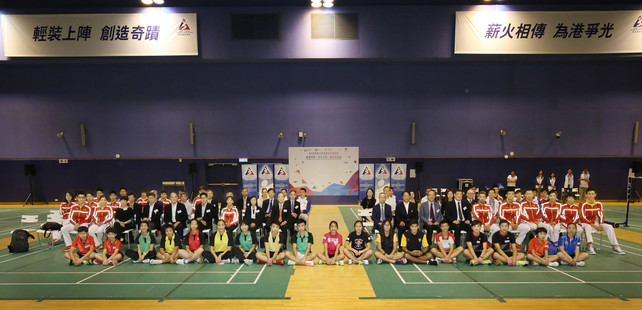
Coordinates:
30	170
419	166
191	168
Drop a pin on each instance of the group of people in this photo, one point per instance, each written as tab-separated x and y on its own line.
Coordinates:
550	184
521	215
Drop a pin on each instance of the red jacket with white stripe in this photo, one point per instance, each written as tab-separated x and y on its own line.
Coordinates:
65	209
80	214
551	212
483	213
590	213
530	212
570	214
103	215
509	211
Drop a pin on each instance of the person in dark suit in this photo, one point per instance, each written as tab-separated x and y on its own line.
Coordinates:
152	212
430	213
176	215
204	213
457	213
381	212
138	208
295	210
281	212
268	204
404	212
243	202
254	215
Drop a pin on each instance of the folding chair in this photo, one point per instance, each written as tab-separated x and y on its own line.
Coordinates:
51	217
365	214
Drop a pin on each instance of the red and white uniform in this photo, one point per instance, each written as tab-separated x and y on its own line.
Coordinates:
93	205
570	214
484	214
104	216
530	214
509	211
65	210
512	212
80	215
551	219
165	202
111	248
142	202
114	205
230	216
593	214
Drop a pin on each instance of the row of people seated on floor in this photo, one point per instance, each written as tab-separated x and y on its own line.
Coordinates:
414	246
523	216
98	217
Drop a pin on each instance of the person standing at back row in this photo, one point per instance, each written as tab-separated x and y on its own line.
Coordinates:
511	180
585	180
568	183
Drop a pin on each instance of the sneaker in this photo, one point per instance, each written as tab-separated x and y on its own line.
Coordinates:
471	262
235	260
349	261
535	264
146	261
181	261
563	263
618	250
486	262
522	263
364	262
248	261
135	261
400	262
405	261
454	259
553	264
86	262
439	259
155	261
226	261
580	264
65	249
498	262
321	262
379	261
311	263
199	260
432	262
291	262
98	262
591	250
280	262
339	263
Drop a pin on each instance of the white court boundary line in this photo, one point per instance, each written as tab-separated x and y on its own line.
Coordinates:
259	275
422	272
235	273
97	273
399	275
566	274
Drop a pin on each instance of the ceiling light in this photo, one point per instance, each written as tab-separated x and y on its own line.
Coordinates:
159	1
328	4
147	2
316	3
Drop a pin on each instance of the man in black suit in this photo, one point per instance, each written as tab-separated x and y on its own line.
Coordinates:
176	215
404	212
457	213
254	215
151	212
381	212
295	210
204	213
268	204
281	213
243	202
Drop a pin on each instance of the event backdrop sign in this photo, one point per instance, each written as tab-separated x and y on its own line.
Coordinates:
564	32
326	171
366	179
266	176
88	35
250	177
281	177
382	177
398	177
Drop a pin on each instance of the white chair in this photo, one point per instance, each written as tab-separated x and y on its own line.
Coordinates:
51	217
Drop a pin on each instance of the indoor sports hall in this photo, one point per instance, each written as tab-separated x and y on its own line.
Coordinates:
153	152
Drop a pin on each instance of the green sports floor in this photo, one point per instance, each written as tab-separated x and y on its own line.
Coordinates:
44	274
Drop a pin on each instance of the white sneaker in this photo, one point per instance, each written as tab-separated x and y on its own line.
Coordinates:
618	250
365	262
350	262
235	260
291	262
155	261
563	263
553	264
379	261
580	264
535	264
180	262
591	250
248	261
145	261
226	261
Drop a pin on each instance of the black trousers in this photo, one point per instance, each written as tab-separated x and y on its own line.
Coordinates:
239	254
456	229
134	254
207	255
429	229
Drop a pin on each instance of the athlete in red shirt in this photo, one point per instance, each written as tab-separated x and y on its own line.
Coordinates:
80	215
510	211
113	252
101	220
592	219
551	217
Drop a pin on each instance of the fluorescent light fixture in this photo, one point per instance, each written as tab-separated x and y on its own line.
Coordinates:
316	3
159	1
147	2
328	4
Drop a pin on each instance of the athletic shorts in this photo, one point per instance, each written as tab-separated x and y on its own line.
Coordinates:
300	255
478	253
509	253
332	255
272	254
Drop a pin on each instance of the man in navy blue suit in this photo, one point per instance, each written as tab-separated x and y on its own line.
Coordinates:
381	212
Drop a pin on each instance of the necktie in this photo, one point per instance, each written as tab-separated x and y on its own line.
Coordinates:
382	213
459	211
280	213
270	206
432	212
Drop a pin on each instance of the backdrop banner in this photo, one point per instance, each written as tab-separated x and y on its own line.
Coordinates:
281	177
250	177
398	177
89	35
266	176
382	177
325	171
564	32
366	179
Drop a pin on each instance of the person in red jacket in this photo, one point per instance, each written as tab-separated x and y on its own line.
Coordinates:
530	213
510	211
551	217
570	213
80	215
101	220
592	219
483	213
